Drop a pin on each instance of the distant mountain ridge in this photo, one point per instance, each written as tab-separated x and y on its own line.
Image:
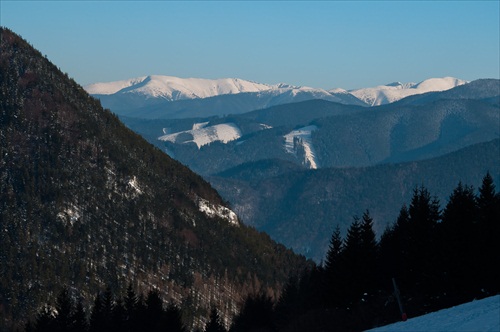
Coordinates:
319	133
386	94
158	96
168	97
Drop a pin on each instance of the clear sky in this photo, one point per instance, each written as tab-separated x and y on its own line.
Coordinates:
323	44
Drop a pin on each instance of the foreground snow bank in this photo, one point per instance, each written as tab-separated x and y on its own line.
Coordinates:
480	315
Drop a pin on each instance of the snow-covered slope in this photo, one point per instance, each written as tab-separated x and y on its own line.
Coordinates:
201	135
169	97
481	315
159	96
299	142
175	88
392	92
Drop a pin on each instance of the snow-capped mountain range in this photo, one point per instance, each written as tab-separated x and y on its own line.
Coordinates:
385	94
158	96
174	88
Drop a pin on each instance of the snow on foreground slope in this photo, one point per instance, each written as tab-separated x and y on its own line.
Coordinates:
479	315
389	93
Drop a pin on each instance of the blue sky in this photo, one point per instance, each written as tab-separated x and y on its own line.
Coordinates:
324	44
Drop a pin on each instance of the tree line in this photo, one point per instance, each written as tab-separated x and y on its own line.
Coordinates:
438	258
428	259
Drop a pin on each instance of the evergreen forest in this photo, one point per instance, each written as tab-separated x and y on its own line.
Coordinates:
428	259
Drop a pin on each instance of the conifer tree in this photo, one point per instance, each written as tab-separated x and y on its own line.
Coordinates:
334	251
97	318
214	325
131	308
64	309
173	319
459	249
423	260
45	320
79	318
488	235
369	253
256	315
351	284
334	269
154	314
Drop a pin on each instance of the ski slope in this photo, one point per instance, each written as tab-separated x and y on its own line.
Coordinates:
476	316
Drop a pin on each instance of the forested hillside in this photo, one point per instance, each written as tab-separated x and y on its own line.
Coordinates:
86	204
300	207
432	256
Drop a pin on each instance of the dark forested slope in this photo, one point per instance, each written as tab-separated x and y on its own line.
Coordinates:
86	203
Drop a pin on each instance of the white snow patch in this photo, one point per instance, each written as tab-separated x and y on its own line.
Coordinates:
302	138
70	214
224	132
215	210
264	126
479	315
134	184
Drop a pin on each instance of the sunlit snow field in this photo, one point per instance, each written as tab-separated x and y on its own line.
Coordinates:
476	316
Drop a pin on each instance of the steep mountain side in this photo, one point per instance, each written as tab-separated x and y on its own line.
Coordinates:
301	208
85	202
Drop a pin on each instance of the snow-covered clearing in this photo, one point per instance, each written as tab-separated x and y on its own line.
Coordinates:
201	135
302	137
480	315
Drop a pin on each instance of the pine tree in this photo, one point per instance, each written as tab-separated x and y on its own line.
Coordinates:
458	229
64	309
334	251
79	318
351	285
214	325
369	254
97	317
333	271
173	319
154	314
256	315
131	308
423	247
488	234
45	321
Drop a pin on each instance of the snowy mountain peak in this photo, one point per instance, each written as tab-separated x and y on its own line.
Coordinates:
392	92
175	88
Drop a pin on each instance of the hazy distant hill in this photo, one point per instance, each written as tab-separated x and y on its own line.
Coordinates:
301	208
85	202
